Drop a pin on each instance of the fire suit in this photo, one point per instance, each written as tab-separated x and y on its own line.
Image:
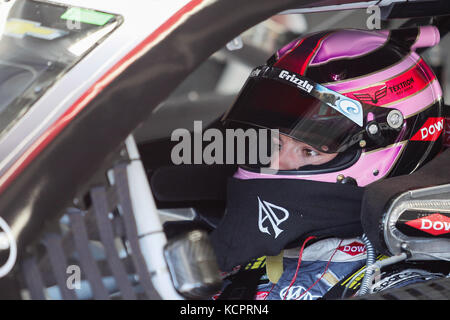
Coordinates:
324	270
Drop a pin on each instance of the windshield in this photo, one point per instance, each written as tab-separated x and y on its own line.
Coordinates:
39	42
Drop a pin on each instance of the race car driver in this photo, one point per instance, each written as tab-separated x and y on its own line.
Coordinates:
350	106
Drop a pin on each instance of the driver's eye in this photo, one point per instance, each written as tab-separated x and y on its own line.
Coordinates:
310	152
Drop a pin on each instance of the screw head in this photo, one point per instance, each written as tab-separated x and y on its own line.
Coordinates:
373	129
395	119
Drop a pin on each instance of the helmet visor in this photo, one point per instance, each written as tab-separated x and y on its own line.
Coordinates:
267	102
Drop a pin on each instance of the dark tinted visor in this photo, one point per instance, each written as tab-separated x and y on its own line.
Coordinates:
273	104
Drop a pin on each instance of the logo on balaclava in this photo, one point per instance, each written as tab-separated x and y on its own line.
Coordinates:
275	215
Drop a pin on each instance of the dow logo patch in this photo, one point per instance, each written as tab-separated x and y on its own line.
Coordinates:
353	248
435	224
430	131
272	216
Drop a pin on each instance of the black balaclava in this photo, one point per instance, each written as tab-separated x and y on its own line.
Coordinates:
264	216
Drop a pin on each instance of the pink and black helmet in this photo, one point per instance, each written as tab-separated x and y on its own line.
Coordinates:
366	95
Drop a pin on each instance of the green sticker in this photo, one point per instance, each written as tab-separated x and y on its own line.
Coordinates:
87	16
